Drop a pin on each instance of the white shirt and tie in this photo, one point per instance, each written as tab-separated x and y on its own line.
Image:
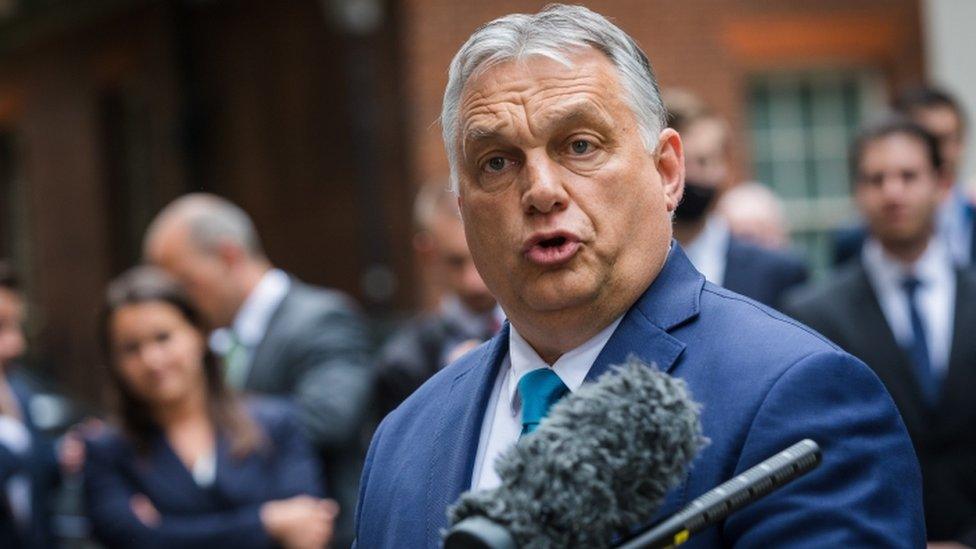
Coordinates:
502	424
250	325
935	297
237	345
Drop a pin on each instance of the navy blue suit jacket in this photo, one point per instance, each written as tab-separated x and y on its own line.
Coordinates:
225	514
40	467
765	382
762	274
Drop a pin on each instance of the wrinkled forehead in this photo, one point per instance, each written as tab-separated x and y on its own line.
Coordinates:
541	88
552	66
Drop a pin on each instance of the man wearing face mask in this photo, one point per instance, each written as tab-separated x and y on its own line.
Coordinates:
745	268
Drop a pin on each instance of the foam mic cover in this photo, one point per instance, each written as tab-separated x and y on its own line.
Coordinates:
599	464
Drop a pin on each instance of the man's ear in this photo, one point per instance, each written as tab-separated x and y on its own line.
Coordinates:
670	164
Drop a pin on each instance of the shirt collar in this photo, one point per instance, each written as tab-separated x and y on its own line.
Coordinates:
571	368
254	315
934	266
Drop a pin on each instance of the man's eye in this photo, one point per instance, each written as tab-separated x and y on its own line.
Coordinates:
496	164
580	146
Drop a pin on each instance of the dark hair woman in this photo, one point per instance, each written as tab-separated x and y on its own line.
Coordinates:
192	466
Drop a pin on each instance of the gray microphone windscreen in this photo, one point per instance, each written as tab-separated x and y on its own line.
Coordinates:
598	465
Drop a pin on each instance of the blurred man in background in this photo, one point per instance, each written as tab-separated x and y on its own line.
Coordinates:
726	260
942	116
906	311
755	214
28	467
278	335
466	314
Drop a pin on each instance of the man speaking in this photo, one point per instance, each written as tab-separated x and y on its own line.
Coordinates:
566	180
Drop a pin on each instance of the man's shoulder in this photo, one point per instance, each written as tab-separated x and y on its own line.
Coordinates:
306	298
766	259
827	295
736	338
309	313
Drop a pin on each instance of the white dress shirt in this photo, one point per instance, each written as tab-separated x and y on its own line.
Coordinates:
251	322
936	296
503	417
709	251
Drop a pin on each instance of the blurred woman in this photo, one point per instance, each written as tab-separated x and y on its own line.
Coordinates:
191	466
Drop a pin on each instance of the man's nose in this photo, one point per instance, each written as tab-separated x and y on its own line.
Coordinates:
543	187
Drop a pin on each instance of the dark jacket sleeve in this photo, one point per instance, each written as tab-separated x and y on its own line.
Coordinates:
107	496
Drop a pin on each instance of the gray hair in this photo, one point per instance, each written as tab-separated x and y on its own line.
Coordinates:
556	32
211	220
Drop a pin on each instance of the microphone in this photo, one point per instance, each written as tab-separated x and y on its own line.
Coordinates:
601	462
718	503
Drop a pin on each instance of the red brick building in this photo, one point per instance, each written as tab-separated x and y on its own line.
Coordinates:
319	118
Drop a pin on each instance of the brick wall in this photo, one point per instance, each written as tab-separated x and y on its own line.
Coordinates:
708	47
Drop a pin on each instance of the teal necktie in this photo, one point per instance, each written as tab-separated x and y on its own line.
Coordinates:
539	389
235	363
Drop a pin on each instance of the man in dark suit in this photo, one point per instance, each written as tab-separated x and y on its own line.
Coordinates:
741	266
906	311
942	116
466	313
28	467
278	335
567	179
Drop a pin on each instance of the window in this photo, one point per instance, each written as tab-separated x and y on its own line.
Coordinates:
801	126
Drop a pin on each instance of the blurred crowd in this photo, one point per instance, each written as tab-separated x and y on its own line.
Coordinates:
243	397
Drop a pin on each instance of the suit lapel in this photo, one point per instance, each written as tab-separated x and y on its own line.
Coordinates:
455	443
875	344
671	300
263	359
956	393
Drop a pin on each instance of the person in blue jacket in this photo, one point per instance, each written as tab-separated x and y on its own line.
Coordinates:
567	180
190	465
29	472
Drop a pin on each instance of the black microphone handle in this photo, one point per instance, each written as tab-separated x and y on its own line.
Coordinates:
720	502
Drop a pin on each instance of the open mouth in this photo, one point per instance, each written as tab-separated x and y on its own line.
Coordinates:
551	250
554	242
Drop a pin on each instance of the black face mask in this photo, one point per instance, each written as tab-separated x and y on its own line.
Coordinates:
695	202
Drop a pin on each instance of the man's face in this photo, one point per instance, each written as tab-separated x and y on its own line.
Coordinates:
898	191
455	265
706	153
206	278
12	341
944	124
564	208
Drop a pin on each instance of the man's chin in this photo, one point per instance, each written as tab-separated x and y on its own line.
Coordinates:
554	299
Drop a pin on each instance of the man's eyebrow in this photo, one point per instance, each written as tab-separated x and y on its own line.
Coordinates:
582	111
480	133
